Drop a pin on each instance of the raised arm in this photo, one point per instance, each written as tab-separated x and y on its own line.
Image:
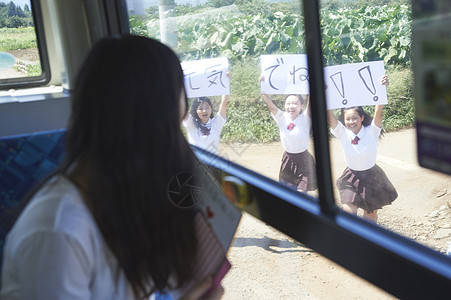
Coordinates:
272	107
223	106
224	101
379	108
333	122
378	115
307	107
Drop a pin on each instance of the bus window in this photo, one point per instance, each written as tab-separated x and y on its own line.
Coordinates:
22	54
263	46
361	42
244	32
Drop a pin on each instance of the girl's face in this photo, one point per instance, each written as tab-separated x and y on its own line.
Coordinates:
204	112
353	120
293	106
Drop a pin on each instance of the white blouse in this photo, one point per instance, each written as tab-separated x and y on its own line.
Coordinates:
55	251
296	139
208	142
360	156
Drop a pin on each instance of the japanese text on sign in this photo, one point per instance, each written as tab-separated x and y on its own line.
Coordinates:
347	85
206	77
285	74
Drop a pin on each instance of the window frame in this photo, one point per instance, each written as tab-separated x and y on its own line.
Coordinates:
44	78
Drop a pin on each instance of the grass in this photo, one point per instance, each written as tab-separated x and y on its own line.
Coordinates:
17	38
400	111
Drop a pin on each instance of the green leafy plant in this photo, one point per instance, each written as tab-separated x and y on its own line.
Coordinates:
34	69
367	34
349	35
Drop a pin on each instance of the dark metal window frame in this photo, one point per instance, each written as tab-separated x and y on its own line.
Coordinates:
394	263
44	78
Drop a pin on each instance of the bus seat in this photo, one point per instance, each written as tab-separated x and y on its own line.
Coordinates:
24	161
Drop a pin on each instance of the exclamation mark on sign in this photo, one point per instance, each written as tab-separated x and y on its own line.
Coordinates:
367	78
337	79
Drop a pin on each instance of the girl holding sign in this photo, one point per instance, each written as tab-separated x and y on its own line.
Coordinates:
202	127
363	184
298	166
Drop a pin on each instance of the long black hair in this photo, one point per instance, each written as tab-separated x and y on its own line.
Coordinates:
124	129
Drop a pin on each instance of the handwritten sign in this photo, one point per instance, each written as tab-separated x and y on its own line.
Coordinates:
347	85
284	74
355	84
206	77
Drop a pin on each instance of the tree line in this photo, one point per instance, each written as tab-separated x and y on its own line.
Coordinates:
12	16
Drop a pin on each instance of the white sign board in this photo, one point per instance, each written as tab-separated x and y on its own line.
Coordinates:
284	74
357	84
206	77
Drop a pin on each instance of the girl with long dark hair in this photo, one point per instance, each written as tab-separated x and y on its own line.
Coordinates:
102	227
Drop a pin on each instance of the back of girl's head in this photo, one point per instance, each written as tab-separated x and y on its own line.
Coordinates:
366	120
127	91
126	125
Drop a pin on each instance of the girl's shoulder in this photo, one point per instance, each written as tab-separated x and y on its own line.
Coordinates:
374	129
280	115
188	121
217	120
57	209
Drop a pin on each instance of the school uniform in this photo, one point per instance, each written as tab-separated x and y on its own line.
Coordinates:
363	183
56	251
208	138
298	166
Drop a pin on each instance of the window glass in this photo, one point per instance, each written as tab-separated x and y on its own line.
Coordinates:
265	262
262	45
356	36
19	54
376	31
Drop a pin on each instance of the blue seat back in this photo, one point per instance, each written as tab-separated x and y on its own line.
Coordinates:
24	161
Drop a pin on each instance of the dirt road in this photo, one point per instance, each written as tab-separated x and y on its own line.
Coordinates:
270	265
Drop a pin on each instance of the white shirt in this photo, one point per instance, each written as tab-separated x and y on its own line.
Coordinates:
208	142
297	139
55	251
361	156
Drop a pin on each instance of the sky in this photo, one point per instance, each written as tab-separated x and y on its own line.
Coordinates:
20	3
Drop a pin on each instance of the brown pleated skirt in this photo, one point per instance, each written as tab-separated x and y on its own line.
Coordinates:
298	171
369	190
